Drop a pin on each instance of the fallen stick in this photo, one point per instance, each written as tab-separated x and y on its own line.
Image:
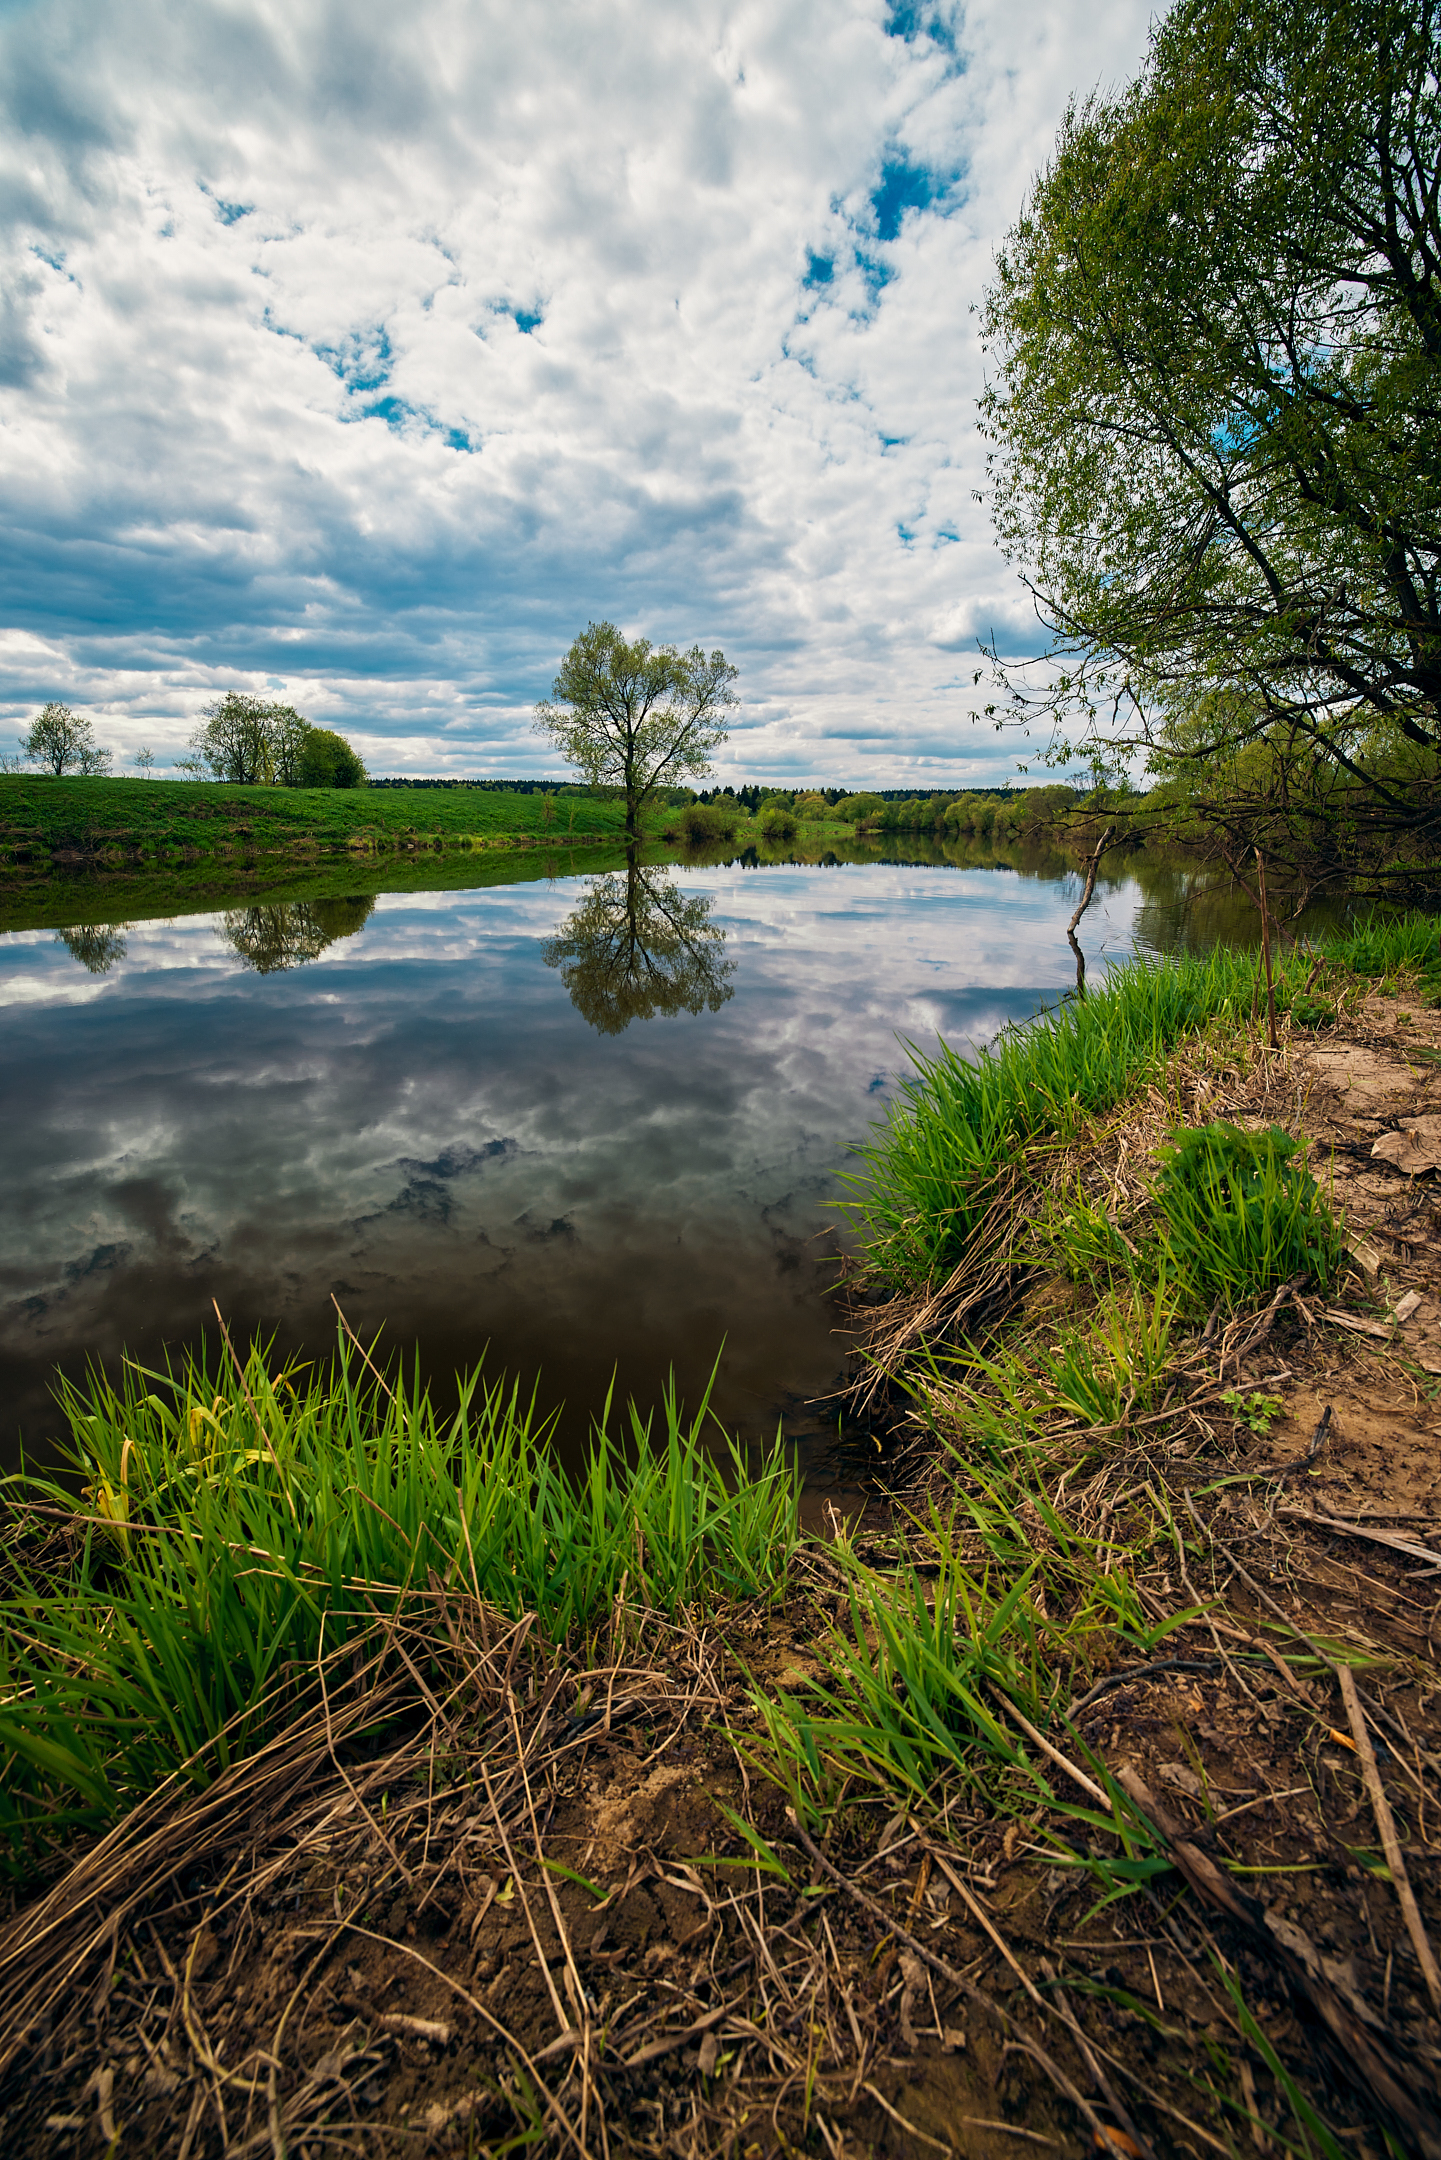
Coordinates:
1408	1546
1317	1442
1385	1823
1357	2050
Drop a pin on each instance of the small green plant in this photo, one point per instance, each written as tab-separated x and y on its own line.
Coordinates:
1312	1012
1104	1372
1257	1411
1242	1214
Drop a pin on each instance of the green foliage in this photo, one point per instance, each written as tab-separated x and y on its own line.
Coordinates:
1111	1368
1390	944
859	809
250	741
1257	1412
1311	1012
706	824
1213	397
61	739
637	716
237	1523
933	1170
913	1695
777	822
327	760
1242	1214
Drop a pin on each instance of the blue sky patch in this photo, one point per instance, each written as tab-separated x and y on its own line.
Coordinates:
907	21
526	319
362	363
229	213
901	187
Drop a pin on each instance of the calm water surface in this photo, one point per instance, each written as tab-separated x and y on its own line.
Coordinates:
486	1120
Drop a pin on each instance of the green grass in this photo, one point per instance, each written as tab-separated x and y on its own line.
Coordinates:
935	1167
237	1524
1241	1215
912	1699
933	1170
116	819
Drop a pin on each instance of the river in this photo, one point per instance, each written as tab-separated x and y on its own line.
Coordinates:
592	1127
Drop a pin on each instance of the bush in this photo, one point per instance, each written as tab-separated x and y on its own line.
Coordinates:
856	809
704	824
327	760
1241	1214
777	822
811	806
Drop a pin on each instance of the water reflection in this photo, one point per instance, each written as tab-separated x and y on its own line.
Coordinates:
638	947
97	946
287	933
424	1121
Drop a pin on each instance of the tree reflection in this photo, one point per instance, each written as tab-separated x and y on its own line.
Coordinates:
97	946
287	933
636	947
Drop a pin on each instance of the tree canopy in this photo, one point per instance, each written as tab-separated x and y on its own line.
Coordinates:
65	741
1215	399
253	743
637	716
327	760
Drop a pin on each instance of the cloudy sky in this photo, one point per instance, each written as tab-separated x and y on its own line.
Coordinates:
360	355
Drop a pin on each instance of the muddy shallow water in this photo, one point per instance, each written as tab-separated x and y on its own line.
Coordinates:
584	1129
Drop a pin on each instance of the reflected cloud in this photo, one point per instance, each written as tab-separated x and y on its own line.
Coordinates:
97	946
638	948
287	933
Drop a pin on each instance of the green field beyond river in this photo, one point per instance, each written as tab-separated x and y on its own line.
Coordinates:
420	1102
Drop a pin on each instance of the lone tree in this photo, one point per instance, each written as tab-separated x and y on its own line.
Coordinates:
1215	405
637	716
65	741
327	760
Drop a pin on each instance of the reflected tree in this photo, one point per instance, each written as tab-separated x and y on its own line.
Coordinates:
286	933
97	946
638	947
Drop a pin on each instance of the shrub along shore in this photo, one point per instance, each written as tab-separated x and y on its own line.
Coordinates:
1111	1234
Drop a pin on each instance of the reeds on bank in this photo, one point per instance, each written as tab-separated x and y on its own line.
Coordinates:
237	1523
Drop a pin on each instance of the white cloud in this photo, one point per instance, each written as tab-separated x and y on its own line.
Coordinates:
368	353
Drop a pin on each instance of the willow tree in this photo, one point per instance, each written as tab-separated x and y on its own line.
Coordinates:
636	716
1214	404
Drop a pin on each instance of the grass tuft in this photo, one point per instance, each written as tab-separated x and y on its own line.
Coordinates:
237	1526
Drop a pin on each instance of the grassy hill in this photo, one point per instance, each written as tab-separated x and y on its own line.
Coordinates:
110	824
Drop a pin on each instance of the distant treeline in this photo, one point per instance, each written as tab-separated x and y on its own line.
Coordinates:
750	796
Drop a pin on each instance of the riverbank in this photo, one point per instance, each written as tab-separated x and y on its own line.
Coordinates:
1028	1807
72	824
75	826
